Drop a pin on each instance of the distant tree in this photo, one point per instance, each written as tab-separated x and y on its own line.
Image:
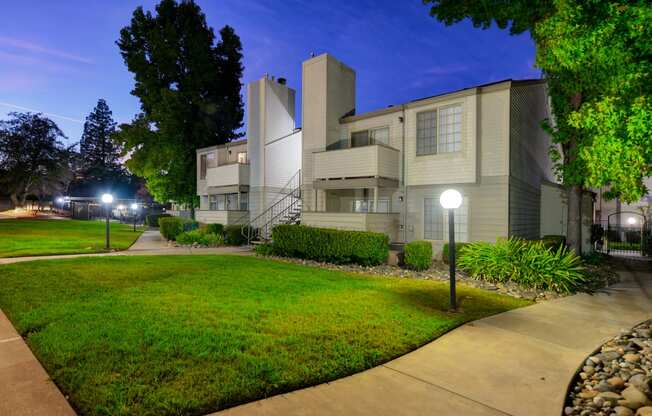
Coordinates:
100	155
32	157
189	89
596	59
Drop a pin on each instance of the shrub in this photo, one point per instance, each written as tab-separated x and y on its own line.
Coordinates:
151	220
530	264
233	235
328	245
171	227
201	237
215	229
418	255
444	251
264	249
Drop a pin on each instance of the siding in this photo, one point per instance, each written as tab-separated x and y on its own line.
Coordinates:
524	210
381	223
493	119
367	161
221	217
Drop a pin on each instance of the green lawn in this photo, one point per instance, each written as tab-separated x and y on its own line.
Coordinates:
187	335
35	237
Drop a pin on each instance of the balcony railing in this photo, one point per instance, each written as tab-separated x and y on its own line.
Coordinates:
228	175
357	162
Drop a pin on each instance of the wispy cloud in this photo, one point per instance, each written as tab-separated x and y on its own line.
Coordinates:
442	70
39	49
59	116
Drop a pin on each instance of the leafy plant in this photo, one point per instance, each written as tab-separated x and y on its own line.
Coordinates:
215	228
233	235
151	220
444	251
418	255
332	246
171	227
530	264
201	237
264	249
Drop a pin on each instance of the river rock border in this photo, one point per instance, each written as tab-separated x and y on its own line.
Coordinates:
617	379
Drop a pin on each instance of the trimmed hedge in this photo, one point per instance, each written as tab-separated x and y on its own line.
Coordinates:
528	263
418	255
171	227
328	245
264	249
151	220
233	235
444	252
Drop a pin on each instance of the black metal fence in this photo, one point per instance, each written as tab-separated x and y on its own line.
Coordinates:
630	236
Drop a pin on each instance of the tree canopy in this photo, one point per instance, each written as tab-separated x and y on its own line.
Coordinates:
188	84
33	160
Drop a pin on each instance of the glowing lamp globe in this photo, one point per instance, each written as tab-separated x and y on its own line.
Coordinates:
107	198
134	206
60	200
631	220
450	199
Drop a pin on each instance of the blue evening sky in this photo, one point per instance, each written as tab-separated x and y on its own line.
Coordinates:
59	57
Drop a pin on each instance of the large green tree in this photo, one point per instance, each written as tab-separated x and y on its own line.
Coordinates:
188	83
33	159
595	56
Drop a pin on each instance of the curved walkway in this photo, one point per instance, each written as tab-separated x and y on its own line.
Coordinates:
516	363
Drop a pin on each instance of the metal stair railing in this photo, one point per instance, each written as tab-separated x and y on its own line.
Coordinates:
282	211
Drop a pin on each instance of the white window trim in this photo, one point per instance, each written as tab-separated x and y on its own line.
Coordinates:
437	130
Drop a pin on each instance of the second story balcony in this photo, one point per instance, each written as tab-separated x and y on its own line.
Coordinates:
233	174
373	161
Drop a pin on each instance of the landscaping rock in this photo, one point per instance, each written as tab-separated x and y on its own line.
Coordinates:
617	379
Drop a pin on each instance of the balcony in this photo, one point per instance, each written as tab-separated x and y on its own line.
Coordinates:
234	174
374	161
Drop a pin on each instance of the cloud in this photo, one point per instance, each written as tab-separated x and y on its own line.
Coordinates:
442	70
24	60
32	110
35	48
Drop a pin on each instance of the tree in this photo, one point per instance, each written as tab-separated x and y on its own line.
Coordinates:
100	155
189	91
595	57
32	159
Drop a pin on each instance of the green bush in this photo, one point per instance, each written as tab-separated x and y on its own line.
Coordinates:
554	242
201	237
332	246
264	249
233	235
151	220
530	264
170	227
444	251
215	229
418	255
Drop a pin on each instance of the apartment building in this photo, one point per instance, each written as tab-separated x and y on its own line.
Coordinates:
384	170
237	181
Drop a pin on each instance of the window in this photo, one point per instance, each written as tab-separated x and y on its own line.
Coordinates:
367	205
202	166
450	129
232	202
427	133
242	157
360	138
228	202
435	220
244	201
379	136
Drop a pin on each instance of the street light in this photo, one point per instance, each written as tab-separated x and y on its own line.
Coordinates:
134	208
631	220
107	199
451	199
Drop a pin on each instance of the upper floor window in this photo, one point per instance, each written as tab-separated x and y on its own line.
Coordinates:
207	160
242	157
371	136
439	131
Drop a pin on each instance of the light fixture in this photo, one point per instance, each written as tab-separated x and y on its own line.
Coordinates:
107	198
631	220
121	207
450	199
60	200
134	206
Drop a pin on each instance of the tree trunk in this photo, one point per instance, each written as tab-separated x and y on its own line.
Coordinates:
14	199
574	226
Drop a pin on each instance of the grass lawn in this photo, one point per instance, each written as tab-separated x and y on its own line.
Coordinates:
187	335
36	237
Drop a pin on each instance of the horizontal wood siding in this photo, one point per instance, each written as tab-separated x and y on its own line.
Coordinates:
367	161
220	217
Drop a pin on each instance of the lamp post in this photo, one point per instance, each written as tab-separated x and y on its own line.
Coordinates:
60	202
451	199
107	199
134	208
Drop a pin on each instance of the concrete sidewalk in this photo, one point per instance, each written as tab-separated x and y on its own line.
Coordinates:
517	363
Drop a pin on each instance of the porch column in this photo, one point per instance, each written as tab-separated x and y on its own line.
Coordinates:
375	199
315	200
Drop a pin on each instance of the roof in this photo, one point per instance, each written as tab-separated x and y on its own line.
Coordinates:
505	83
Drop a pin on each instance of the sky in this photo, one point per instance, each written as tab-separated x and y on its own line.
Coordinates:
60	57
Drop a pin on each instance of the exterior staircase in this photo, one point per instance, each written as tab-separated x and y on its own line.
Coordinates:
285	210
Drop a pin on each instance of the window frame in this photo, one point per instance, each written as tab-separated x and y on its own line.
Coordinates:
438	148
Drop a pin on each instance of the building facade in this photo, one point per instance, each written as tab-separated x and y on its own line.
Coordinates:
385	170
